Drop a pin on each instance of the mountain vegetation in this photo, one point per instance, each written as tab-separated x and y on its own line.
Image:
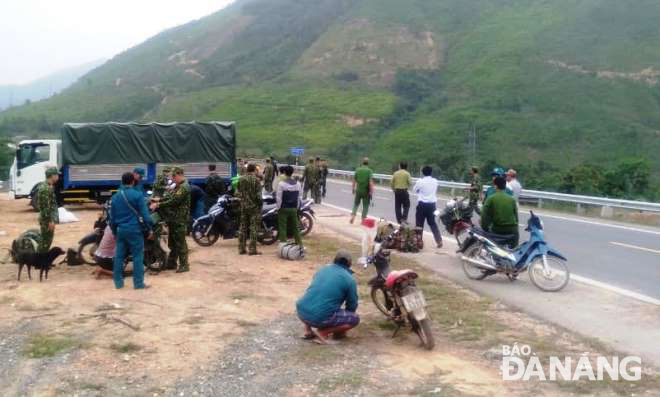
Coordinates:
565	91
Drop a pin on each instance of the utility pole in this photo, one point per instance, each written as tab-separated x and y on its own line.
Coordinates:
472	145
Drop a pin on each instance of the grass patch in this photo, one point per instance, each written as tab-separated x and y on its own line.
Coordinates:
6	300
40	346
348	381
128	347
246	323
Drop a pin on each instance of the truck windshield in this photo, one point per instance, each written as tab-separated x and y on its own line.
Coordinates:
32	153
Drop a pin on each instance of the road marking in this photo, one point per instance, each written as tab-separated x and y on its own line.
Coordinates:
635	247
547	215
574	277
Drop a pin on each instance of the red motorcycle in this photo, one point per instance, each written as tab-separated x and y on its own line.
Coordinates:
457	218
395	294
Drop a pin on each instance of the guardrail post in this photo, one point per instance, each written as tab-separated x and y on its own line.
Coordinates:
452	193
606	211
540	203
580	210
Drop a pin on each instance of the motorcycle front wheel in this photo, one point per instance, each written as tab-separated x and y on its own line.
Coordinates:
202	238
267	237
423	329
555	279
86	252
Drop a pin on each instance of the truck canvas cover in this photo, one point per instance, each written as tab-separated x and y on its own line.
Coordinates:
129	143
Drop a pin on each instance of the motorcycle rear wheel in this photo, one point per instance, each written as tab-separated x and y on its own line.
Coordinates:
205	240
86	252
306	223
379	297
559	273
473	271
423	329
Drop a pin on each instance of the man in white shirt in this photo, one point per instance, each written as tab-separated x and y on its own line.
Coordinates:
427	191
513	184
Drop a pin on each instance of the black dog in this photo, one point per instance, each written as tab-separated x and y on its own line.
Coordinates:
41	261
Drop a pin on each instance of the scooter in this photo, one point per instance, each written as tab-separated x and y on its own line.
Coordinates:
482	257
457	218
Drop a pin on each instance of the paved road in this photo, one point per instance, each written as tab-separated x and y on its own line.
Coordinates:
622	256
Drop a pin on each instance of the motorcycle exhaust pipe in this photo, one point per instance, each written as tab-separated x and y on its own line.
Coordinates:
481	264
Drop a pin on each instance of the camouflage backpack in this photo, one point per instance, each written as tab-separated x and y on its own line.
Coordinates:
410	239
27	242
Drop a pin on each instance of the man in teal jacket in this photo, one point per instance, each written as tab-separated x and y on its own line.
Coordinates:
497	173
320	308
127	204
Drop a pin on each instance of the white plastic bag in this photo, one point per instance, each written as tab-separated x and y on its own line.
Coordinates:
66	216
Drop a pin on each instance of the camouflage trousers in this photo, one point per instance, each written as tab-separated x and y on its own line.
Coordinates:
249	228
176	241
46	238
316	192
268	185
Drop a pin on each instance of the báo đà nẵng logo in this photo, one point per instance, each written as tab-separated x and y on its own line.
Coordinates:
520	363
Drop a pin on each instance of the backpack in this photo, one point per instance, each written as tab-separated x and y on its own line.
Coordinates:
410	239
26	243
290	251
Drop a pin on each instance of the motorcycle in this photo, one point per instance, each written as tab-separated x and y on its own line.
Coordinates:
223	220
457	218
482	257
155	256
395	294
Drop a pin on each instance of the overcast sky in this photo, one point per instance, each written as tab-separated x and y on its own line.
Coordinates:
38	37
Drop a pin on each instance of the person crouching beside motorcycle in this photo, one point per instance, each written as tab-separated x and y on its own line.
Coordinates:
288	198
500	213
320	307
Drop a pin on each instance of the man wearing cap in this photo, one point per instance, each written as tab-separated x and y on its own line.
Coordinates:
249	192
138	175
497	172
162	181
177	206
320	308
476	189
513	184
47	205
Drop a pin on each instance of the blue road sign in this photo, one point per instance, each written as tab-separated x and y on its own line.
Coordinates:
297	151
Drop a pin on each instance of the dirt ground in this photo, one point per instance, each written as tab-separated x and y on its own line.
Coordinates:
228	328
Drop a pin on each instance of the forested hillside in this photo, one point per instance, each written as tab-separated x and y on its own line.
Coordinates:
566	91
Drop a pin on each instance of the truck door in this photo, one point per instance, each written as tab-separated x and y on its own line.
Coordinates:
31	162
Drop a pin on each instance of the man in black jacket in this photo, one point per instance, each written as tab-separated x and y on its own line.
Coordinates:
288	196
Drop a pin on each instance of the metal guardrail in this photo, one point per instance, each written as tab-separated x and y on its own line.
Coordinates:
605	203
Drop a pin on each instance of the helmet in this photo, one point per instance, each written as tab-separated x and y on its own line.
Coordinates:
498	171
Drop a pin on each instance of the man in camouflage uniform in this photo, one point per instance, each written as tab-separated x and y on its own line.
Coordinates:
47	205
177	213
269	175
476	189
249	192
215	187
308	178
162	181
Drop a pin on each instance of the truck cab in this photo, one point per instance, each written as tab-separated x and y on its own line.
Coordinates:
32	159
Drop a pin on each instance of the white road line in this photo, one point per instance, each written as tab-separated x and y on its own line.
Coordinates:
635	247
547	215
574	277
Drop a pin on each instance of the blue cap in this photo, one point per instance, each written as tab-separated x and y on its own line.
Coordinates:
140	171
497	171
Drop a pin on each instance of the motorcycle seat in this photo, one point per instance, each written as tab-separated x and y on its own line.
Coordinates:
395	276
498	239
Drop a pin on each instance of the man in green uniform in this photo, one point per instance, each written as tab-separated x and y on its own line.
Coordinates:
362	189
308	178
47	204
315	182
177	212
162	181
500	213
249	192
476	189
269	175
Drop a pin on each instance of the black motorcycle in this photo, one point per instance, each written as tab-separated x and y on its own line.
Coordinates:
223	219
155	256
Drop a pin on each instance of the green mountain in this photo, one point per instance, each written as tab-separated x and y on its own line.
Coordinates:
565	91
